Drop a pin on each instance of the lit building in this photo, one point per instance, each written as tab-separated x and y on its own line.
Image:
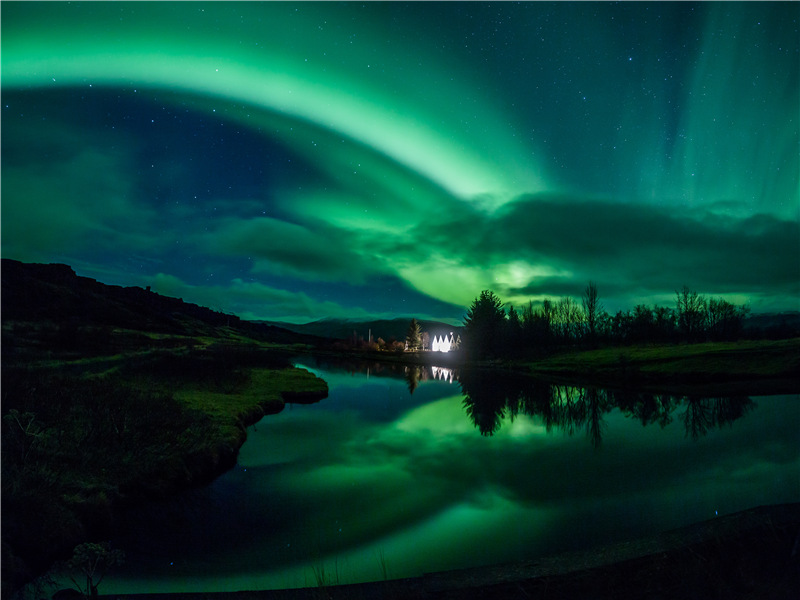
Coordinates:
445	343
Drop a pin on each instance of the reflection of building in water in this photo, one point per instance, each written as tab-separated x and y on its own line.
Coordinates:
442	374
415	374
445	343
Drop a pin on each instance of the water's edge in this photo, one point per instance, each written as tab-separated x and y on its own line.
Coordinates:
766	538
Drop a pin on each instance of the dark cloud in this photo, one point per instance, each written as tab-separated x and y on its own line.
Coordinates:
633	248
288	249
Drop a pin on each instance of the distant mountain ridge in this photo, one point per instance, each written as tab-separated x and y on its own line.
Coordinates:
343	329
778	325
774	325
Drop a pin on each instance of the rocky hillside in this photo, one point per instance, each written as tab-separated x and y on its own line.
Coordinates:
50	305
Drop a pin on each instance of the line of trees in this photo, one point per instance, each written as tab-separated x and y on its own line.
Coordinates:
492	331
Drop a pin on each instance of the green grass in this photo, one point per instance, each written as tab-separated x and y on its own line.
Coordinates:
260	395
326	577
381	556
689	363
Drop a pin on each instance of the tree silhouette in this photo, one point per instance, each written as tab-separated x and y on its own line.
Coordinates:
596	407
537	325
483	326
414	335
592	310
513	331
93	562
723	320
426	340
691	313
645	407
664	323
642	323
412	375
703	414
485	399
25	433
569	409
490	399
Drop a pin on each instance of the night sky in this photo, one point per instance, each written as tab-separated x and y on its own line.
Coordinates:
295	161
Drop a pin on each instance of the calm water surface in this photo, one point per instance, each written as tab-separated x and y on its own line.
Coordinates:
378	481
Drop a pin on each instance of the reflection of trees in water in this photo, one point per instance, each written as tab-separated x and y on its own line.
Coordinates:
704	414
648	409
489	399
413	374
355	366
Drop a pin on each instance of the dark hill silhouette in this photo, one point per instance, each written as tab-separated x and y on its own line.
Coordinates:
56	295
781	325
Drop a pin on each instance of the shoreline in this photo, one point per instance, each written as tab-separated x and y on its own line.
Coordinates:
83	505
752	551
760	367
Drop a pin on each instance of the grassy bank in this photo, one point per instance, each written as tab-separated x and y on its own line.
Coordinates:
762	366
84	438
748	366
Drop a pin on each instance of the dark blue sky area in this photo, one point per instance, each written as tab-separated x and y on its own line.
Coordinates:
295	161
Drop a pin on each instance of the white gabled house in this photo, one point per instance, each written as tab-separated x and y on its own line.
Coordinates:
445	343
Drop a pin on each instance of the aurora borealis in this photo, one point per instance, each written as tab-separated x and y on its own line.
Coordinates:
294	161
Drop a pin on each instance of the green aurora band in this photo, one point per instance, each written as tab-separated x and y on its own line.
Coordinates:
437	152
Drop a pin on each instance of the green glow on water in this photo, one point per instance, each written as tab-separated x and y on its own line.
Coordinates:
373	478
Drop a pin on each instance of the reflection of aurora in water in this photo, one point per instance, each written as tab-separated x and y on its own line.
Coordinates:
489	400
374	471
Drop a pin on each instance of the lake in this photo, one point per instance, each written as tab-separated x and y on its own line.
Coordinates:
405	471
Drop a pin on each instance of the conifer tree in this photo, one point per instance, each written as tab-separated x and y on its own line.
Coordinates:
414	335
483	326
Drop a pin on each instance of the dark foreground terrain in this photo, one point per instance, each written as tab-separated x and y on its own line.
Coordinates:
115	396
751	554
